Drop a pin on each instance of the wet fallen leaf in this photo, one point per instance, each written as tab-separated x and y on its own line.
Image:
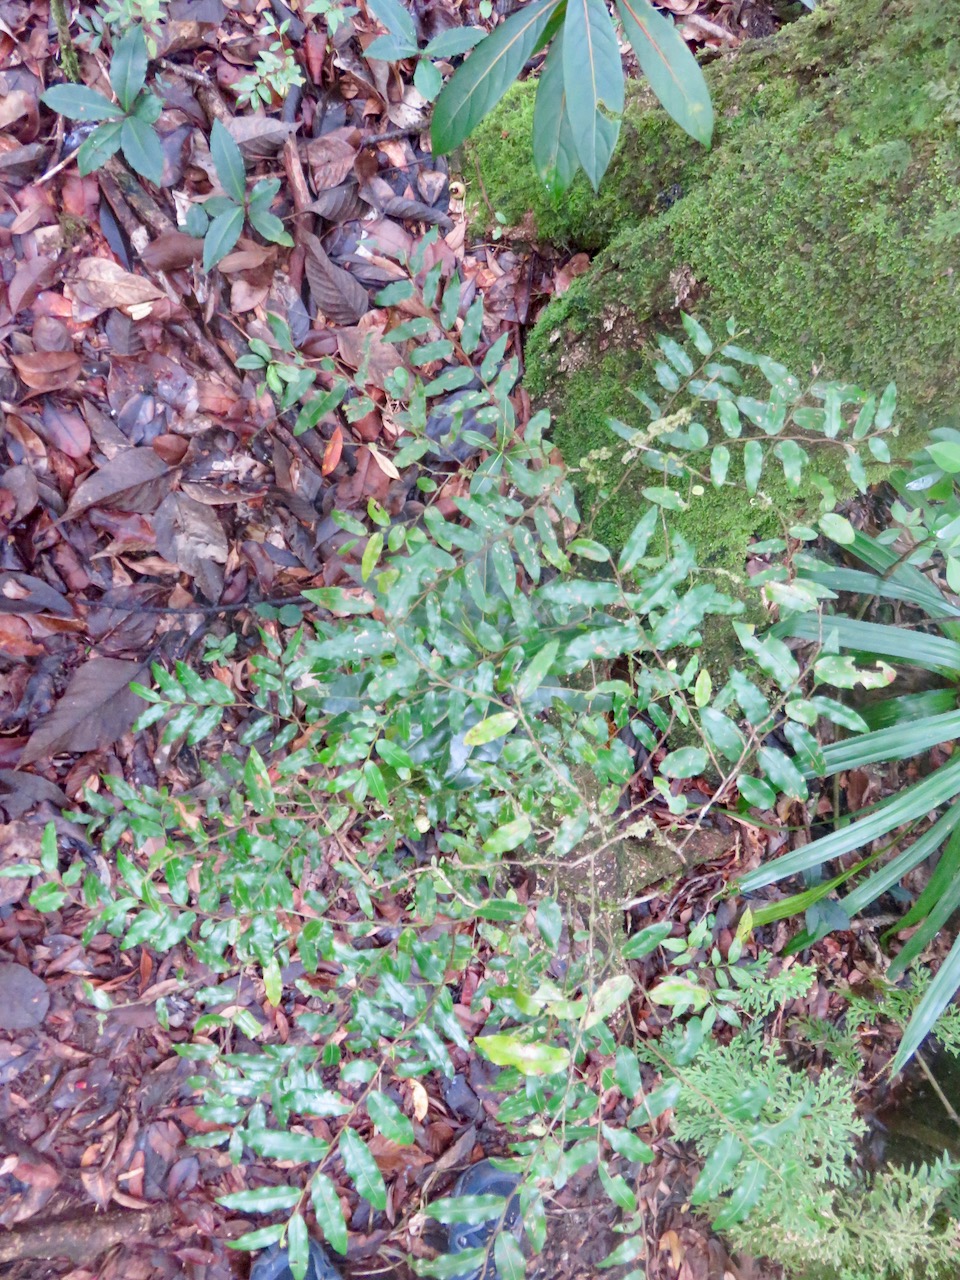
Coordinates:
135	480
48	370
96	708
190	535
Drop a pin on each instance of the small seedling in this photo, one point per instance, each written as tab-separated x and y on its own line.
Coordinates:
219	220
401	42
275	73
128	123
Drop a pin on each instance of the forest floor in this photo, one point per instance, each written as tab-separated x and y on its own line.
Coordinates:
150	496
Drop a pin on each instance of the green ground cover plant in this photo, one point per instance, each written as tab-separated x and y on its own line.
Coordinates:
444	724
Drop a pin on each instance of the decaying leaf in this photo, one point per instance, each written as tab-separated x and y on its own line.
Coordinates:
190	535
100	284
97	707
48	370
341	298
135	480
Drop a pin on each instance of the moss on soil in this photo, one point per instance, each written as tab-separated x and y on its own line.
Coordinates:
826	219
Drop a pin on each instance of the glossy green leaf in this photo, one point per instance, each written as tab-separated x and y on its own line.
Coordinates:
635	547
362	1168
508	1257
77	102
554	147
141	148
686	762
646	940
128	67
607	998
617	1188
549	922
228	161
298	1246
261	1199
392	15
389	1119
670	68
628	1144
529	1058
717	1171
490	729
537	670
468	1210
593	84
477	86
222	234
99	147
744	1196
509	836
752	465
326	1207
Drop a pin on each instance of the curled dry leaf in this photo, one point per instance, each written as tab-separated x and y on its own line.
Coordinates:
100	284
48	370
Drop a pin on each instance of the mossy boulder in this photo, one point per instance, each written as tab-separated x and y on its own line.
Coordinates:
826	219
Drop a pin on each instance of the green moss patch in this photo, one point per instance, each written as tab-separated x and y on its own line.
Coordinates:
826	219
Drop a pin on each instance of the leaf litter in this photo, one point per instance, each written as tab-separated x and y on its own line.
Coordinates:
148	495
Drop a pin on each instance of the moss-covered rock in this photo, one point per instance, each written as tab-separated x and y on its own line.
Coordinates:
826	219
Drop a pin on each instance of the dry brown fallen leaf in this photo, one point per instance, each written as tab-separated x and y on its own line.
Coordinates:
100	284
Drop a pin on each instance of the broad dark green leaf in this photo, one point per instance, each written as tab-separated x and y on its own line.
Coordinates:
228	161
477	86
397	20
554	147
141	148
77	102
99	147
646	940
269	226
549	922
362	1168
222	234
128	67
670	68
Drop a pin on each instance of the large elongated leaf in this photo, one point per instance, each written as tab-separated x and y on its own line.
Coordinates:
362	1168
896	743
223	234
916	802
592	80
229	162
936	998
892	872
932	652
141	148
488	73
128	67
554	148
671	69
77	102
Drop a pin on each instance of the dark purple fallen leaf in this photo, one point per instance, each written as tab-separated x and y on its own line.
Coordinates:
342	299
190	535
24	1000
97	708
134	480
